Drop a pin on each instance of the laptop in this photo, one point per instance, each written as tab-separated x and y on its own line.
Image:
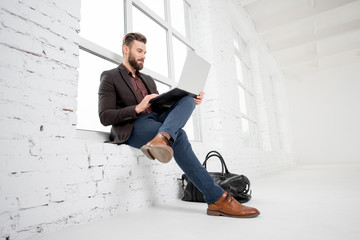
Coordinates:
192	81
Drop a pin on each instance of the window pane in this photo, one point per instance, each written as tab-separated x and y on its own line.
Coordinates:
239	70
254	135
236	42
102	22
161	87
156	46
242	99
243	51
250	103
246	132
180	17
189	129
180	51
247	78
90	69
155	5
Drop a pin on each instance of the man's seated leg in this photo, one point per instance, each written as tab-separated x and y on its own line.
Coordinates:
177	116
159	148
172	120
144	129
229	207
220	203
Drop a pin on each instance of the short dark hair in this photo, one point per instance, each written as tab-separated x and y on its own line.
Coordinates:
130	37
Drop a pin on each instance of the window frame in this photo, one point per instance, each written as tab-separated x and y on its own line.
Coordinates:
241	52
104	53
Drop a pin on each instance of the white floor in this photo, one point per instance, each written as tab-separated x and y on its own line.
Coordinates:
306	202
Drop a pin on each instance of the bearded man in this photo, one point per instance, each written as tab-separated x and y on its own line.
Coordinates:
124	96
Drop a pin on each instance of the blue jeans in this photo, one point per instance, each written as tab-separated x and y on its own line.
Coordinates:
147	126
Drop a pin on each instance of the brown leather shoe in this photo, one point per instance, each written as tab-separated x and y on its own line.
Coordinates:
229	207
158	148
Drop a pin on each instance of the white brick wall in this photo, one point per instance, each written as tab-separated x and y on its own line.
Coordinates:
49	179
220	113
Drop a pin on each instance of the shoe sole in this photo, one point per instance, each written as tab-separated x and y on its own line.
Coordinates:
162	153
216	213
146	151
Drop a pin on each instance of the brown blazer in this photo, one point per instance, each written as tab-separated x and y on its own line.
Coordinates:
117	101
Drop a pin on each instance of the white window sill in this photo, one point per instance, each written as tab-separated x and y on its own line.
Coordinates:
92	135
103	136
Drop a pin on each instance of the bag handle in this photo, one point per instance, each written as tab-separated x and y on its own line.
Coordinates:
217	154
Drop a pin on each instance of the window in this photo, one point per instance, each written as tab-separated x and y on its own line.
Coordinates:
90	68
167	26
156	47
102	22
180	17
278	135
157	6
180	50
246	94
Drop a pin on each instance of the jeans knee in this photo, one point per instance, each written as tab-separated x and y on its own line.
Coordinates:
182	134
189	101
181	145
181	139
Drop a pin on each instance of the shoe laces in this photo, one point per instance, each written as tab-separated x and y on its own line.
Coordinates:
228	197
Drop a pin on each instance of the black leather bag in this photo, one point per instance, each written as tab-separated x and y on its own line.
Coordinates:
237	185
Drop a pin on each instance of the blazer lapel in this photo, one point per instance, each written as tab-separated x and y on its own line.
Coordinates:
146	83
126	77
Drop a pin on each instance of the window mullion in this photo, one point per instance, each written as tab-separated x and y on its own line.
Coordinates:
128	16
158	77
100	51
167	12
151	14
179	36
170	52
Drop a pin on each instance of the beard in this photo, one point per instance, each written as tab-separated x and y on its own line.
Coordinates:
132	61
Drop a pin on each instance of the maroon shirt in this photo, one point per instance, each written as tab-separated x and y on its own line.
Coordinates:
140	88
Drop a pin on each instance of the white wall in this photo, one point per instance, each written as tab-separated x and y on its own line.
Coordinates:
221	111
50	179
326	115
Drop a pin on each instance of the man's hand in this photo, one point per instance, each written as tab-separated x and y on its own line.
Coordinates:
144	104
199	98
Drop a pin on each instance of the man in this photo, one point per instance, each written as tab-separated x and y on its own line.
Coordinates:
124	96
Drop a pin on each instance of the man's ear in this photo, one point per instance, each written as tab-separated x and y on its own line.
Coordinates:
125	50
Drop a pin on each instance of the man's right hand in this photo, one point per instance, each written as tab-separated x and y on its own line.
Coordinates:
144	104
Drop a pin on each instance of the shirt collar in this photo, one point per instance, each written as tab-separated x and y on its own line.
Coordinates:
137	73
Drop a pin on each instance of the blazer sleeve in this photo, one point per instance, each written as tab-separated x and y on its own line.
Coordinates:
109	112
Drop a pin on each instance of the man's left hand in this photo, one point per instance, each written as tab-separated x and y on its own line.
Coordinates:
199	98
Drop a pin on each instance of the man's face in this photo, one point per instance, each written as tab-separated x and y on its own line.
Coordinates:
136	55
